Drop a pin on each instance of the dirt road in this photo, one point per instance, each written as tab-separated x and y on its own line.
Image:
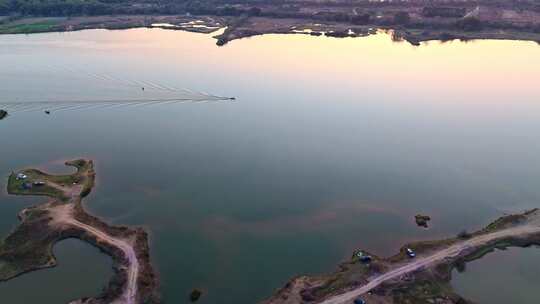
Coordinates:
130	292
531	227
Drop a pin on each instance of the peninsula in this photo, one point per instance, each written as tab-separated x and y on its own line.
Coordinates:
30	246
420	273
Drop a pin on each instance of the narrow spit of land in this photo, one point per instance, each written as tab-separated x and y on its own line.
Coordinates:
29	246
421	279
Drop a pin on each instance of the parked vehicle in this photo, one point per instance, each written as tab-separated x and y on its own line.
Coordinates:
410	253
359	301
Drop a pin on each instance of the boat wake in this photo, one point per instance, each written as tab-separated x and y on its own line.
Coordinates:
106	91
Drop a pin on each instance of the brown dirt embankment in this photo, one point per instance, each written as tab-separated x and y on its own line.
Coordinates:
29	246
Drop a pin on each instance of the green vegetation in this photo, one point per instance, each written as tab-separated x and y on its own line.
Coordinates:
195	295
51	185
350	274
25	28
470	24
507	221
464	235
55	7
402	18
29	246
85	175
426	292
26	186
422	220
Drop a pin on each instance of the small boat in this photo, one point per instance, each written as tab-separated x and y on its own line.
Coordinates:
232	98
47	112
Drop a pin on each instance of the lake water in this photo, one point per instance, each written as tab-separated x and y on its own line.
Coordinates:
331	145
509	276
82	271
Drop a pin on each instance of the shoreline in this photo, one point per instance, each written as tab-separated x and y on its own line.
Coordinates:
29	246
245	27
423	278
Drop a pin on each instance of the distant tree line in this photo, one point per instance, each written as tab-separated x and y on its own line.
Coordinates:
363	14
56	7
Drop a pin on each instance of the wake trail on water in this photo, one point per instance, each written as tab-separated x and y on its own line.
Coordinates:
52	106
137	83
142	93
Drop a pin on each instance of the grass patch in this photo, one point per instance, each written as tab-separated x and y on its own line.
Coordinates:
425	292
15	186
26	28
84	177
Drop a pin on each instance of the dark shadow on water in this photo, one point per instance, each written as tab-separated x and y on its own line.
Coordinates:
509	276
82	271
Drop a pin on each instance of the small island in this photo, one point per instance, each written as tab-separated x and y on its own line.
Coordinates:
422	220
420	273
30	246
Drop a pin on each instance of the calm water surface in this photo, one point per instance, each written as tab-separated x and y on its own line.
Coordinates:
331	145
509	276
82	271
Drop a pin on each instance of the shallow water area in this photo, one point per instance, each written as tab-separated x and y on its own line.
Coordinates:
82	271
509	276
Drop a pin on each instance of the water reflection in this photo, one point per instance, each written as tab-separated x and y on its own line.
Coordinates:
82	271
335	144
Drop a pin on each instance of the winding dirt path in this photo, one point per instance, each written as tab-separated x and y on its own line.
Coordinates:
453	251
130	293
126	246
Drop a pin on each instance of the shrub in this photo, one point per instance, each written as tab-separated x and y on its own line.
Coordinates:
402	18
464	235
360	19
470	24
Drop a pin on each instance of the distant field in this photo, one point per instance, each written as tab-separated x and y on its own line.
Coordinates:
32	27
